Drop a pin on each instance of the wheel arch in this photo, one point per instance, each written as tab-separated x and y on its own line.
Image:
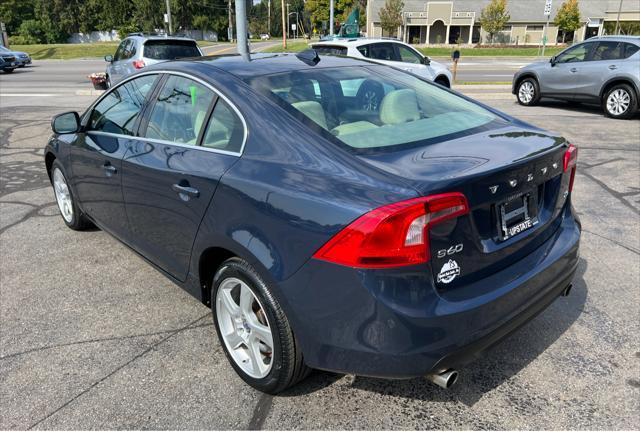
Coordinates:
443	78
619	80
49	158
522	78
209	262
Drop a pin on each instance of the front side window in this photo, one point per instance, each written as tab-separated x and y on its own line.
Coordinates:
575	54
407	55
372	107
170	49
118	111
119	51
180	111
225	130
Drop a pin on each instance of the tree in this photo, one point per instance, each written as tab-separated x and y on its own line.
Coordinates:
494	17
568	17
391	16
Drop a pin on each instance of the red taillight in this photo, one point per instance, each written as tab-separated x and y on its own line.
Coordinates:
570	161
392	235
138	64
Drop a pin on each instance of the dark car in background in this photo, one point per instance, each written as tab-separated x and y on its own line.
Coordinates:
139	50
602	70
20	59
395	242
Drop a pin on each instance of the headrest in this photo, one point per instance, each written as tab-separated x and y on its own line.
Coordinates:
399	106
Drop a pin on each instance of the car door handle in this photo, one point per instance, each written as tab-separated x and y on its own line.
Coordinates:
109	169
573	70
185	191
613	67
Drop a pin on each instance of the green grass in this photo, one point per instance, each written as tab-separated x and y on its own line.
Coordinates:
292	46
67	51
490	52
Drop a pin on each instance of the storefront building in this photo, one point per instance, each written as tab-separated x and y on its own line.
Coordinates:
457	21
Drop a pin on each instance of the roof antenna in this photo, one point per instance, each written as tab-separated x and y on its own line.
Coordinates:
309	56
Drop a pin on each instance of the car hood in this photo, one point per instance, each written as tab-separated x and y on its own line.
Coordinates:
536	65
437	66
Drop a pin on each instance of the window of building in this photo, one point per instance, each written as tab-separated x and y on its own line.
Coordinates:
535	27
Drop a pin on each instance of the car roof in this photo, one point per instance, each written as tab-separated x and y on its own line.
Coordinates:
267	64
616	38
355	41
146	37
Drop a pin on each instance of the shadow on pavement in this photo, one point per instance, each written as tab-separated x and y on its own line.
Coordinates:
497	365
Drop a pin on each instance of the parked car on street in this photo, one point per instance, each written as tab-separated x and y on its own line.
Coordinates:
390	52
139	50
265	36
395	242
603	70
21	58
8	63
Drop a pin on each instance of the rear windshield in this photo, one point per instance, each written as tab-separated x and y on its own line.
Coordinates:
170	49
330	50
373	107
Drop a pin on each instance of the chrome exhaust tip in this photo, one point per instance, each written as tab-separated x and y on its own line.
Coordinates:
566	290
445	380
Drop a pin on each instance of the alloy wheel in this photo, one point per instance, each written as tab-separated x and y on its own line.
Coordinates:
618	102
244	327
526	92
63	195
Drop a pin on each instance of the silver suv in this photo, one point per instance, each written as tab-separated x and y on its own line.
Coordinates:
603	70
138	50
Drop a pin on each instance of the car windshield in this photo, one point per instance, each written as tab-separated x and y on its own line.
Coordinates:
170	49
373	107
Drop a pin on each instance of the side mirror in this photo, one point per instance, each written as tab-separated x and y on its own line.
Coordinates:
426	60
108	58
68	122
552	60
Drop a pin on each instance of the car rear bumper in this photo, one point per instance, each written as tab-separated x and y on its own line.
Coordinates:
394	324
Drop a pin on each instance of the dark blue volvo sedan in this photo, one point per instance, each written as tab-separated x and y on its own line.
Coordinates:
333	213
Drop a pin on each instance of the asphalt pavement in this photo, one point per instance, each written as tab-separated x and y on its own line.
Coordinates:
92	337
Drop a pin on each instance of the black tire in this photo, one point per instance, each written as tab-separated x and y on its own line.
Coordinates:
618	91
8	70
287	366
370	95
526	86
78	220
442	81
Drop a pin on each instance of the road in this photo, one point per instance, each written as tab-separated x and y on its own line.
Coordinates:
92	337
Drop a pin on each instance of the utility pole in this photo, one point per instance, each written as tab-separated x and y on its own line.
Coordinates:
331	18
230	29
288	34
269	18
284	23
618	19
241	28
169	17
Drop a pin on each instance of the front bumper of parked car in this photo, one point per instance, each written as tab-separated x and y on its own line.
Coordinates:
394	323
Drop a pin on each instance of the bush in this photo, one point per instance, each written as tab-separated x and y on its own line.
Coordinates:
31	32
21	40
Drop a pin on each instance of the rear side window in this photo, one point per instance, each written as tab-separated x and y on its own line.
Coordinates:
608	51
364	50
331	50
382	51
225	130
119	110
180	111
629	49
170	49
